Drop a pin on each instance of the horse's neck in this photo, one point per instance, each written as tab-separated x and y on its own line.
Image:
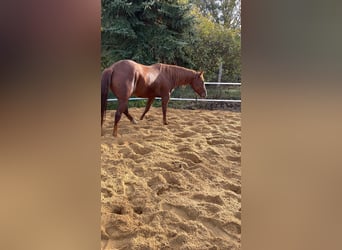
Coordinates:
180	76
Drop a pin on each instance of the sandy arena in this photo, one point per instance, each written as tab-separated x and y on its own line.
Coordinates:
172	187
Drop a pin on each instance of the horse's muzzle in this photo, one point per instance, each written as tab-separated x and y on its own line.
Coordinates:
204	94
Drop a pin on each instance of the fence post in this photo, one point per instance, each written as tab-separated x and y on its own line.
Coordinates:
219	79
220	72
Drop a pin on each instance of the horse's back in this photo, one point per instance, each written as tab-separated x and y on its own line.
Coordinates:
130	77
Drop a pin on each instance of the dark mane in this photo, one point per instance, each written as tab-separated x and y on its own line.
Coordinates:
178	75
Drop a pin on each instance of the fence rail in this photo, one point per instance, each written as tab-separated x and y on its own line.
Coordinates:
193	99
223	83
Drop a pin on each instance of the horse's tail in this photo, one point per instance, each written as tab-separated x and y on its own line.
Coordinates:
105	82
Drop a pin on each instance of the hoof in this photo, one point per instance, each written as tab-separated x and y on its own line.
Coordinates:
134	121
115	131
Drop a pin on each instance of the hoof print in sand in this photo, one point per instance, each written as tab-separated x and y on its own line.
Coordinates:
172	187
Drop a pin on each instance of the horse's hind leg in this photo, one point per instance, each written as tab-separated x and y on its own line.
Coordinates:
129	116
147	108
121	109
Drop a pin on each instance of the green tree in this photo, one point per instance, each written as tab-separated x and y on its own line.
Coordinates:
215	44
225	12
146	31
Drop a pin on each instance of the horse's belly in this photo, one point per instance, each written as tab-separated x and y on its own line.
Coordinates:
145	92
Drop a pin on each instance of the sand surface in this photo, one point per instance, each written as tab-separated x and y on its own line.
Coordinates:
172	187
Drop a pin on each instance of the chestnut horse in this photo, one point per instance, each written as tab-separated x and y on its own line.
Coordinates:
126	78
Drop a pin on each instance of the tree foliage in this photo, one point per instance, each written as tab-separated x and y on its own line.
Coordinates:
225	12
216	44
145	31
198	34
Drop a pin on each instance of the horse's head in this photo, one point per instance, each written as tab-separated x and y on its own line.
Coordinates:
198	85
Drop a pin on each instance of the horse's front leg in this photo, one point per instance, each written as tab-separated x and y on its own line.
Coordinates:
165	101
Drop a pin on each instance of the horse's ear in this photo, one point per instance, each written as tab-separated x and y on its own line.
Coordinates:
200	73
